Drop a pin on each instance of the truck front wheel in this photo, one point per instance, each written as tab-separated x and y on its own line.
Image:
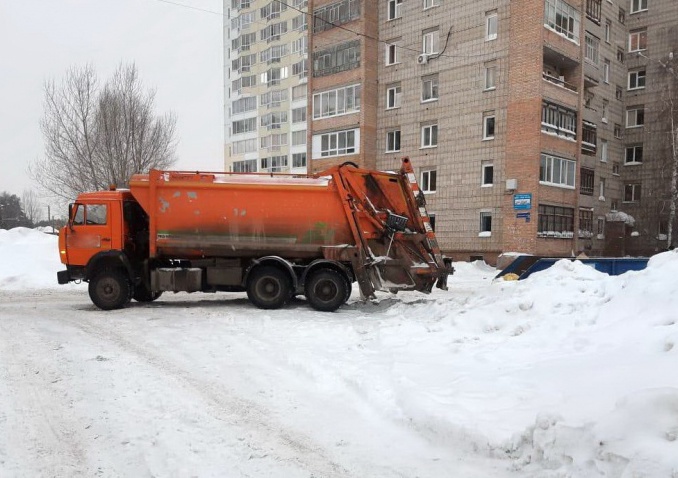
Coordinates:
326	290
110	289
269	287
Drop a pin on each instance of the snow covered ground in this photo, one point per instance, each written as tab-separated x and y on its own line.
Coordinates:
570	373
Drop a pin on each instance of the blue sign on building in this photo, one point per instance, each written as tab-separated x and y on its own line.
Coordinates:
522	201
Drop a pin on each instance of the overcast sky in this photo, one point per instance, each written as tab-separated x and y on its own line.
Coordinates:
178	51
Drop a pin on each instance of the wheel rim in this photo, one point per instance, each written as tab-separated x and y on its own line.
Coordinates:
268	288
108	289
326	290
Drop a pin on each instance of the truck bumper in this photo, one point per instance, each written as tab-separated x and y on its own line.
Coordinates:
64	277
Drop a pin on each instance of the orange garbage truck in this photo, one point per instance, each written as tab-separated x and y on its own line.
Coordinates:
272	236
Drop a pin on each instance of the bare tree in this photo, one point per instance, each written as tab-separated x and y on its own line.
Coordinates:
97	136
31	206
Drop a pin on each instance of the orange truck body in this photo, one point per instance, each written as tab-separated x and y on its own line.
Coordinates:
269	235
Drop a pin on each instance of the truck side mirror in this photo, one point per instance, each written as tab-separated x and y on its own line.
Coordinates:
70	216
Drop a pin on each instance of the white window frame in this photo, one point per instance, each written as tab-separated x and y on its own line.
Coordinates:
426	182
336	143
635	148
490	74
430	42
636	74
338	102
608	30
431	3
557	171
430	130
482	229
491	26
635	37
636	191
483	170
393	139
394	97
638	6
486	133
604	111
606	71
391	54
632	117
604	151
394	9
432	89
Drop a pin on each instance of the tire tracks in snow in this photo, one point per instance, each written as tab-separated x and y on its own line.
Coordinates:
240	412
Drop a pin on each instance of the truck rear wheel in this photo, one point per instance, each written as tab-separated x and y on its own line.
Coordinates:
326	290
142	294
110	289
269	287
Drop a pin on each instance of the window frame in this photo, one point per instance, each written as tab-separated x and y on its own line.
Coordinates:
637	113
636	154
432	39
637	6
640	38
635	191
567	170
425	183
433	135
485	223
394	9
393	140
391	55
434	88
394	93
486	133
491	20
638	74
483	175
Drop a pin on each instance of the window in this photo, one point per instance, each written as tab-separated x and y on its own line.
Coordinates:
91	215
555	222
299	115
635	117
636	79
606	70
336	102
431	3
487	175
622	16
589	138
246	166
491	26
485	222
429	88
614	205
299	137
488	125
587	177
244	105
585	222
393	96
273	31
430	41
620	55
638	6
558	120
428	181
342	57
490	76
608	30
604	150
394	7
563	18
615	168
338	143
244	146
592	48
429	136
634	154
556	171
593	10
274	141
632	192
601	227
619	94
299	160
601	189
617	131
393	141
391	57
272	10
244	126
335	14
274	120
299	92
638	40
604	111
300	45
274	164
273	98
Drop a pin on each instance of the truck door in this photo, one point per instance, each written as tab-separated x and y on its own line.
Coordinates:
89	232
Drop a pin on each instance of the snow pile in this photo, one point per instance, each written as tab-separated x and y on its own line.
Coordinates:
29	258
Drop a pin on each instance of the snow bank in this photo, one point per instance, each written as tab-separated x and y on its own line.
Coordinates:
29	258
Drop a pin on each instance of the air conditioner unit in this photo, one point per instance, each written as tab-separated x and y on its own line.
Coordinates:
422	59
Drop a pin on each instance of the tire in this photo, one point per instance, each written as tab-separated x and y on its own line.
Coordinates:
269	287
349	289
142	294
326	290
110	289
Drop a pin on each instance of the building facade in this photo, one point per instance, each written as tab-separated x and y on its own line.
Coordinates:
536	126
265	88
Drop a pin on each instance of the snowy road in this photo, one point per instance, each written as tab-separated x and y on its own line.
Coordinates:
207	386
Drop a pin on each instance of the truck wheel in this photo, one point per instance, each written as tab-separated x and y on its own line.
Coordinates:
326	290
269	287
110	289
142	294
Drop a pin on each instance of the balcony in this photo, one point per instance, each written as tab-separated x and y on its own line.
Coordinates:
560	81
589	139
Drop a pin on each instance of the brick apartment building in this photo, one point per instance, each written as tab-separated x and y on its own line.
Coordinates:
537	126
